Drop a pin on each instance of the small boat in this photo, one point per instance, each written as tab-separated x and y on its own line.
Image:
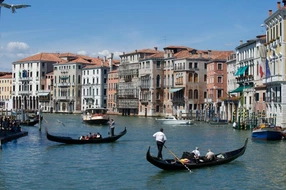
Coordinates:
178	122
267	133
95	116
69	140
166	118
29	122
172	164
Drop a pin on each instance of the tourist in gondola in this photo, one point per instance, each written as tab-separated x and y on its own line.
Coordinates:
160	140
210	156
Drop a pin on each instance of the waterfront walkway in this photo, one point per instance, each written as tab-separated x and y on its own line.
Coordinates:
9	135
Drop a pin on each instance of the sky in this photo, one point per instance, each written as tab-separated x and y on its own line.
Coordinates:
97	28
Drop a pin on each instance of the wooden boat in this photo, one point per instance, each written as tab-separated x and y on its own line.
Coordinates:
95	116
172	164
69	140
267	133
29	122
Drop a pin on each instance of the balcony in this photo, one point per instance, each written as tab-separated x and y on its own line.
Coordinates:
24	92
23	79
246	78
64	84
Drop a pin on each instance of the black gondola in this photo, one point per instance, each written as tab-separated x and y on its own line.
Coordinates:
29	122
69	140
172	164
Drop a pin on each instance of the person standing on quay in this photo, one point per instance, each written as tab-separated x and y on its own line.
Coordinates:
160	139
112	126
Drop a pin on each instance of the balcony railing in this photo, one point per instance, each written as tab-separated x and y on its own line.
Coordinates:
64	84
24	92
25	79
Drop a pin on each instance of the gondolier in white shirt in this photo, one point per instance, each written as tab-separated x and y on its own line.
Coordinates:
160	139
112	126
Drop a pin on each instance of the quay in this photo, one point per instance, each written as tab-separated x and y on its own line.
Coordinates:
6	136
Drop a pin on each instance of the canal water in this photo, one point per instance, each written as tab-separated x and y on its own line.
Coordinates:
33	162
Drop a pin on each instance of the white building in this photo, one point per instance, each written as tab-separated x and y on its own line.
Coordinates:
29	77
94	85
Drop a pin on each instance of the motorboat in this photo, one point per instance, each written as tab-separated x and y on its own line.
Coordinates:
167	118
267	133
95	116
178	122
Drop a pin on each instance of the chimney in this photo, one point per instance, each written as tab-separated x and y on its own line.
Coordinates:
278	5
110	62
269	12
240	42
156	48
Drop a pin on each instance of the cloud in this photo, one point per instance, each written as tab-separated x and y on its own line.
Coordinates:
17	47
82	52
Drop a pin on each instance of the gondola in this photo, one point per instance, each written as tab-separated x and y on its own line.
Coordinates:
172	164
29	122
69	140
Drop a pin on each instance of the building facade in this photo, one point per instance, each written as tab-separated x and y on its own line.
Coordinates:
29	77
6	92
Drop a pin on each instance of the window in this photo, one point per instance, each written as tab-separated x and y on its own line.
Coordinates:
78	78
219	66
264	97
219	79
256	97
205	78
196	65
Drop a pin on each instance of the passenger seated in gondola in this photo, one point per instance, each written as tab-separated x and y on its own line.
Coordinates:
82	138
98	135
86	137
210	156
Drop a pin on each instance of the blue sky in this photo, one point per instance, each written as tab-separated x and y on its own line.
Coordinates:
96	28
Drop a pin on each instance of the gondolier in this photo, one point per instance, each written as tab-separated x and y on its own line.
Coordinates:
160	139
112	126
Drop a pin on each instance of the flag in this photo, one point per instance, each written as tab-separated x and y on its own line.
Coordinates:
261	70
268	74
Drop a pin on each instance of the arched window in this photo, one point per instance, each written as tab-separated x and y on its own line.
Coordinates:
196	94
196	77
190	94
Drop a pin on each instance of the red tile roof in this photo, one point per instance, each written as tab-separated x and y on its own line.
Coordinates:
7	76
49	57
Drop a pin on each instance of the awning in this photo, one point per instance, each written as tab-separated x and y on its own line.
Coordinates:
43	93
238	71
241	70
175	89
240	89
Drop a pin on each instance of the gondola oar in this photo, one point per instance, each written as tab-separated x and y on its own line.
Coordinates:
178	159
61	123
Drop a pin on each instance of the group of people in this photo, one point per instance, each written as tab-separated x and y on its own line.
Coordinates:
195	155
91	136
9	124
98	135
